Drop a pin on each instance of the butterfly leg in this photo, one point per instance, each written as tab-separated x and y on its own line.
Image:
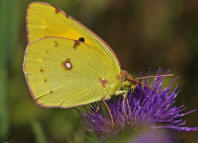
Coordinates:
120	92
107	97
124	105
110	114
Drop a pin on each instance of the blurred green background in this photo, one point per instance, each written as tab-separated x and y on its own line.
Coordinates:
144	34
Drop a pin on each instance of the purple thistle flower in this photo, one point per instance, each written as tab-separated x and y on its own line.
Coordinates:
142	106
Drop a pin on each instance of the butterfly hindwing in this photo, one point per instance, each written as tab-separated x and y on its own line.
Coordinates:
65	73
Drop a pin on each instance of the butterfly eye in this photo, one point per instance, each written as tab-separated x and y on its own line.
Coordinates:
81	39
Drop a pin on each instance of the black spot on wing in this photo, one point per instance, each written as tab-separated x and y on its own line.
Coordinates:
81	39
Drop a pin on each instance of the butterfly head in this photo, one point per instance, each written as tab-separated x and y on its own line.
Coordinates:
128	82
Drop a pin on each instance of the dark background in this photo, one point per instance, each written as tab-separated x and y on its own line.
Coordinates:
144	34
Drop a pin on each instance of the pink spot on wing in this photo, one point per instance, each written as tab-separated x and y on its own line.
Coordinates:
103	82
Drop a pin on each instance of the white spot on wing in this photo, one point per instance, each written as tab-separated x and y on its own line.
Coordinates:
68	65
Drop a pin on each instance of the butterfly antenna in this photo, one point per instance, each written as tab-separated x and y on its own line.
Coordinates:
112	121
155	76
149	86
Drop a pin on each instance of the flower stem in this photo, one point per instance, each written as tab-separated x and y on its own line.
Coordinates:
38	132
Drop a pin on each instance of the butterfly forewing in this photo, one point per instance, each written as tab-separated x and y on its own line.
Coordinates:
44	20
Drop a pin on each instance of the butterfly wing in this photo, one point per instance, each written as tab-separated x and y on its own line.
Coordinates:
65	73
44	20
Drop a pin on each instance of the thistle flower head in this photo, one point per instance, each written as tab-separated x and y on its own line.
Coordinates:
141	106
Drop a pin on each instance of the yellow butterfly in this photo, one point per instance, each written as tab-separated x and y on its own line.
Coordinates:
65	63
